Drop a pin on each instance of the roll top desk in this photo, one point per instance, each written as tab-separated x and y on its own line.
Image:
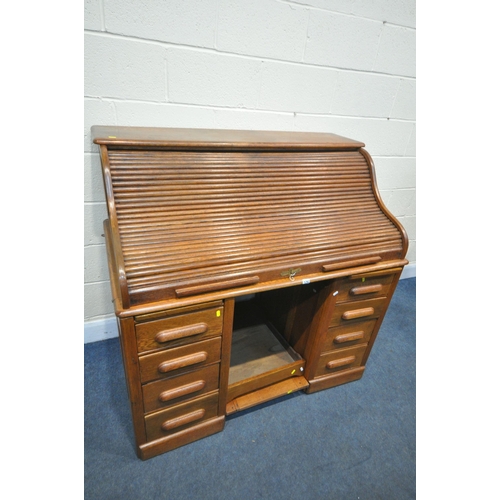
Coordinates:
244	266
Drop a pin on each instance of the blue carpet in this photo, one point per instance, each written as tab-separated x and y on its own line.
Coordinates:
356	441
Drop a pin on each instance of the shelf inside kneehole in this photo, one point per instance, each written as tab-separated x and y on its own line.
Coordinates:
261	359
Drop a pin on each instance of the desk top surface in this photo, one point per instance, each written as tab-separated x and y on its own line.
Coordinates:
234	139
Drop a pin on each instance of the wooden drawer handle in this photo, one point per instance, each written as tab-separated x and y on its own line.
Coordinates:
336	363
361	290
168	425
176	363
348	337
183	390
358	313
215	287
179	333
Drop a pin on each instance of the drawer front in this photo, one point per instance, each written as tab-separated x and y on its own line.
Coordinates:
179	360
179	330
359	288
171	391
166	422
335	361
360	310
349	335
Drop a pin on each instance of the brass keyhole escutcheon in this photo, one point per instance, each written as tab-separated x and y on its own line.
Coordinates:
291	273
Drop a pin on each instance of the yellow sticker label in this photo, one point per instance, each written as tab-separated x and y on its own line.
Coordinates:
111	136
289	392
363	280
217	313
293	372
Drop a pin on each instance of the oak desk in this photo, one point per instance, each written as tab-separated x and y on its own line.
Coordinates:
244	265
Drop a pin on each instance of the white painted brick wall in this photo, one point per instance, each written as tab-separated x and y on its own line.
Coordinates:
208	78
275	30
296	88
342	41
341	66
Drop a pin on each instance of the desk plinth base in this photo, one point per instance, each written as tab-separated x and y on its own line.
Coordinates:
334	380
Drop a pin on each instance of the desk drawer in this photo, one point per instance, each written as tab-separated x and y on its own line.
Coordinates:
359	310
178	360
166	422
179	330
367	287
342	359
174	390
349	335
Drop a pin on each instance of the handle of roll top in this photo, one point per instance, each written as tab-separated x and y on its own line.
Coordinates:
343	264
216	286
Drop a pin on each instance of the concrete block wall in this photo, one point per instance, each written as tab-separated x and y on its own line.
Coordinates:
340	66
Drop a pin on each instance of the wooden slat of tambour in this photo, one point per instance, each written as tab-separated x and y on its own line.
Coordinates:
170	194
124	175
210	158
238	183
197	162
132	182
224	172
194	165
265	160
236	178
314	174
205	156
209	176
185	212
